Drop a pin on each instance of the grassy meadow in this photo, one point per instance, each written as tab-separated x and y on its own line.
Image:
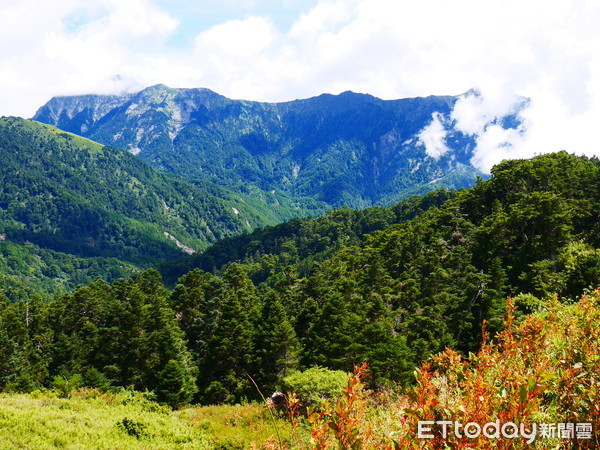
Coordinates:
90	419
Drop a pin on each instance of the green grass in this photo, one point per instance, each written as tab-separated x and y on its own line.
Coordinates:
126	420
236	426
105	422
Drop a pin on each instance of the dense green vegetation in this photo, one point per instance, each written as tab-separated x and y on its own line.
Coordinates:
72	195
540	372
43	421
350	149
301	242
27	270
72	209
386	286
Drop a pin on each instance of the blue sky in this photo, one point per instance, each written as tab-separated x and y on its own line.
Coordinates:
195	16
270	50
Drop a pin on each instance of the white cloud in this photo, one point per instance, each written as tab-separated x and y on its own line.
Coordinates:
433	137
474	111
546	51
479	115
73	47
237	38
496	144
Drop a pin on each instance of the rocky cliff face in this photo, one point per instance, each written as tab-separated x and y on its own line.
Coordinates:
78	114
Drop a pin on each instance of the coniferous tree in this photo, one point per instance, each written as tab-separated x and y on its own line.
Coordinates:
174	387
275	343
225	363
93	378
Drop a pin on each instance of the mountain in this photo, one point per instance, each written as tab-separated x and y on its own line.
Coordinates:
532	220
350	149
71	209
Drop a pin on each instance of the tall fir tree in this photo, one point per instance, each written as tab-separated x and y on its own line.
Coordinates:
276	345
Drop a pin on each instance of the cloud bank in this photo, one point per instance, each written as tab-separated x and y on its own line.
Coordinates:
547	52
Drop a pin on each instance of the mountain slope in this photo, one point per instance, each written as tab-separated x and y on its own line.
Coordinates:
66	194
387	286
302	242
350	149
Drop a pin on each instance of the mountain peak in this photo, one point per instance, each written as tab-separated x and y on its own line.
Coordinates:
159	86
157	89
355	94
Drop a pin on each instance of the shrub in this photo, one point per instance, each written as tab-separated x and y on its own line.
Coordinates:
66	385
316	384
543	369
93	378
133	428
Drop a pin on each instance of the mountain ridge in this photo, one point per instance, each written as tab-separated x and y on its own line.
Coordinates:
348	149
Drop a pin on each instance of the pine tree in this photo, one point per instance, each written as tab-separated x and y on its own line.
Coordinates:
275	343
225	363
173	387
93	378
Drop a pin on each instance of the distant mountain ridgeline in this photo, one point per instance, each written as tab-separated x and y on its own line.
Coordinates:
332	150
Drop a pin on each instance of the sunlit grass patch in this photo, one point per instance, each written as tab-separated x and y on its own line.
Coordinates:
96	422
236	426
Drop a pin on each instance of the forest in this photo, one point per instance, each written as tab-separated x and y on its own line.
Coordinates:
385	287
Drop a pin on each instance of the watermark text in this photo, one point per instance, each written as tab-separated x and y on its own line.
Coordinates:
428	429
